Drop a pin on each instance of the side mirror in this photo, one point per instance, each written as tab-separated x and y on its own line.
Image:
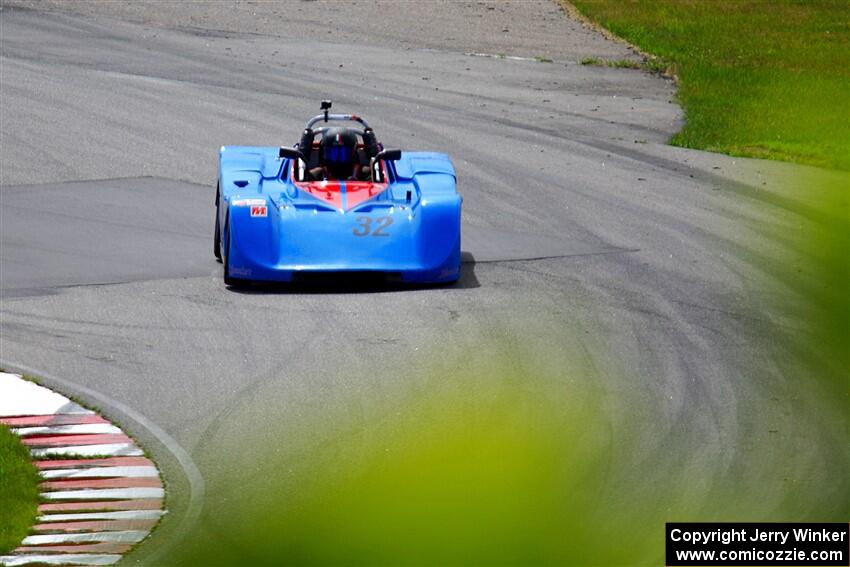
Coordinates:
297	163
388	155
290	153
375	163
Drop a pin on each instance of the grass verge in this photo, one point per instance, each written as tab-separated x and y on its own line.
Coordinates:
18	491
616	63
756	79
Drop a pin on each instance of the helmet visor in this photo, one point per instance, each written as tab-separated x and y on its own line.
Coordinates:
337	154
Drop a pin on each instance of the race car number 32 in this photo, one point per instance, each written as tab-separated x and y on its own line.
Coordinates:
365	226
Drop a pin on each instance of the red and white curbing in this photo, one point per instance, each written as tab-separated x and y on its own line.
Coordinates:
102	496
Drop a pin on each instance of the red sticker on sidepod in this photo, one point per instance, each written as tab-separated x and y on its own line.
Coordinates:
259	211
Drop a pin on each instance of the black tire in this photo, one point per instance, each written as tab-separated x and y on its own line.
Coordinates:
228	281
217	238
217	234
226	267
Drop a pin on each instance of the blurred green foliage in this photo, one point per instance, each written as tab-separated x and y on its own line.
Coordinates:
500	457
504	464
817	269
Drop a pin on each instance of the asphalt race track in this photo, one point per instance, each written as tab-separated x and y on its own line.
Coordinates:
583	232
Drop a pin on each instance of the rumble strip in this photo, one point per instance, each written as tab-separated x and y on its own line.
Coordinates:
101	495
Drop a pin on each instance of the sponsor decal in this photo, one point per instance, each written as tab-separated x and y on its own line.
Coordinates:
259	211
247	202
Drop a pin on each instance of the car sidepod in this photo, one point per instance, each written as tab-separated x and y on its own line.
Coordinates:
432	177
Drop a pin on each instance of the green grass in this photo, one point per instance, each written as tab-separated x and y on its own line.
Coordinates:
616	63
624	64
769	79
592	61
18	491
764	79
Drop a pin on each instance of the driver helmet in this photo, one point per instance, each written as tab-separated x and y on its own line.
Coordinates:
338	152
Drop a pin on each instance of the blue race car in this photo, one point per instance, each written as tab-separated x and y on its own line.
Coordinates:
336	203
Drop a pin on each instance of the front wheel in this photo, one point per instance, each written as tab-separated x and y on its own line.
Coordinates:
217	234
226	260
228	280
